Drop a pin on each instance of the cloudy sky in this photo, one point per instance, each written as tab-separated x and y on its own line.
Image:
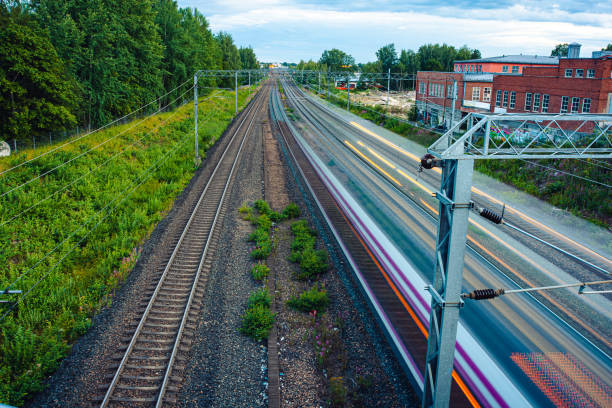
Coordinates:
281	30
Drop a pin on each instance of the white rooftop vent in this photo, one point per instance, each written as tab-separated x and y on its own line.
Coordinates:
573	50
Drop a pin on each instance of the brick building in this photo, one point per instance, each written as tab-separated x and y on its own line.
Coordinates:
538	85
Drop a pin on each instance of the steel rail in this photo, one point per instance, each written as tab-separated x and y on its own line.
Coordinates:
122	364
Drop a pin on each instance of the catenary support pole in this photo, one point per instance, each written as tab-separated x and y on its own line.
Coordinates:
249	84
348	94
236	90
319	82
388	85
454	197
195	114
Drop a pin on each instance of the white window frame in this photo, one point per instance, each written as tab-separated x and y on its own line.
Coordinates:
504	68
545	103
528	101
486	94
515	69
590	73
564	101
568	72
586	105
579	73
512	100
498	96
536	102
476	93
575	104
505	100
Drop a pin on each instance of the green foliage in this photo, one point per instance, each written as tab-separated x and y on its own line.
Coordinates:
336	60
264	222
312	262
36	94
560	50
257	322
262	206
39	331
259	271
310	300
260	297
248	60
291	211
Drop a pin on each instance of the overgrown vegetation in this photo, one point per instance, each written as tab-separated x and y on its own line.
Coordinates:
257	322
312	262
55	236
259	271
311	300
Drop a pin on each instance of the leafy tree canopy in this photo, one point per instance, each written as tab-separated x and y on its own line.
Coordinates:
560	50
336	60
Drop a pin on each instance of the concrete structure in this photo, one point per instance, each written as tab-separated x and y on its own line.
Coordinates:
539	85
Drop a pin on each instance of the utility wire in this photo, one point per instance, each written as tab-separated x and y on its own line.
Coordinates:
482	294
65	239
85	152
93	131
566	173
97	167
147	174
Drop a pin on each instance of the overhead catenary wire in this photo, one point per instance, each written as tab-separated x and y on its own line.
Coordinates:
124	149
68	237
483	294
567	174
147	173
84	153
93	131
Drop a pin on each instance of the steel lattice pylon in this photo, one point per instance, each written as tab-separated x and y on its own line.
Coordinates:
494	136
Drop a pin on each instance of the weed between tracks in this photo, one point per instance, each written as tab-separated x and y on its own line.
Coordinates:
40	330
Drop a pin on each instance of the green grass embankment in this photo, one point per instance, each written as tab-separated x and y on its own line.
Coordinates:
142	169
580	197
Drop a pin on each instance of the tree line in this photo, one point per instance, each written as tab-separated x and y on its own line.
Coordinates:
73	62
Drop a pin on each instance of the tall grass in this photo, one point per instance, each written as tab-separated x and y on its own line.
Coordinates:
39	331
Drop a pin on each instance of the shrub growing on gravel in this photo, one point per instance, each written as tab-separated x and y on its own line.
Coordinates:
257	322
313	299
262	206
264	222
312	264
259	297
291	211
259	271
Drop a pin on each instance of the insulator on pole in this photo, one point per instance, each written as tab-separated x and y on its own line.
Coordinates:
481	294
429	161
491	215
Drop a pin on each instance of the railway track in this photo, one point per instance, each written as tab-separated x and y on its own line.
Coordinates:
150	357
360	257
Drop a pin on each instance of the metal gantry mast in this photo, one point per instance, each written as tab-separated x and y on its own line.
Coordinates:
505	136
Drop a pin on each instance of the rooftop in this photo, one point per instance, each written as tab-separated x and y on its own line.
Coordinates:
518	59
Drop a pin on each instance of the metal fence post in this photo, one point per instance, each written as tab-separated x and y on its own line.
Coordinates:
195	110
249	84
236	87
388	85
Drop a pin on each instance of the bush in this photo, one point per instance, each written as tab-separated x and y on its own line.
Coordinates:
260	297
337	391
259	271
257	322
264	222
261	252
262	207
312	263
291	211
259	236
313	299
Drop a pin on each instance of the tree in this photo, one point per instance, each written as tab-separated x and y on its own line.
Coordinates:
608	48
36	94
387	57
247	58
336	60
433	65
409	61
229	56
560	50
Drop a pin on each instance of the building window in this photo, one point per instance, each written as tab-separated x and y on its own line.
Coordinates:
504	68
480	68
498	98
536	102
486	94
545	99
590	73
505	99
586	105
512	99
575	104
422	88
528	101
564	103
476	93
568	73
515	69
579	73
449	91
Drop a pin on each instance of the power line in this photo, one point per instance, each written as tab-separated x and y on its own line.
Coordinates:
95	168
568	174
71	235
92	132
147	174
87	151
